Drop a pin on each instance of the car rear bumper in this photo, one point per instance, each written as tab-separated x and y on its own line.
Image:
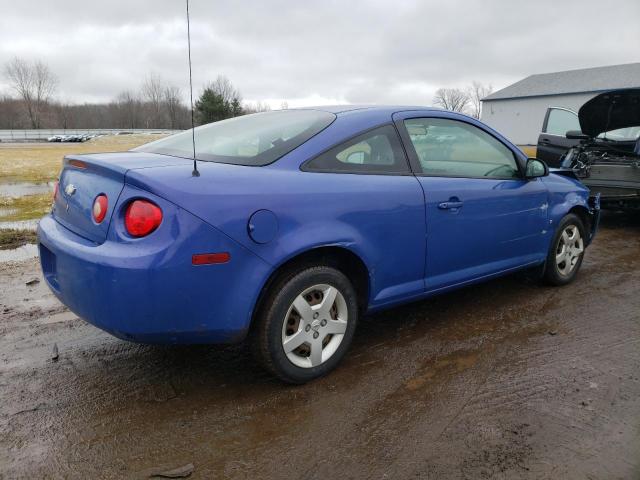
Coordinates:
147	290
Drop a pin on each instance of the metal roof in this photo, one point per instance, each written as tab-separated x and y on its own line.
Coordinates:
586	80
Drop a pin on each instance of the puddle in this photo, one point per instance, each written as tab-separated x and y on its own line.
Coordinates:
24	188
20	225
24	252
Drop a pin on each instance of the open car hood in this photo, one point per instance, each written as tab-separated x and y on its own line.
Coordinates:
610	111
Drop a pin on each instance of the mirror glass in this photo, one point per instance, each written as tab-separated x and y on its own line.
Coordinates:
535	168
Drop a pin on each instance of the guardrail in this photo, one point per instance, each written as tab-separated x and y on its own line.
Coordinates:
43	134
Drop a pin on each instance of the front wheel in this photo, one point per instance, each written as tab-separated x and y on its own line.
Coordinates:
307	324
566	252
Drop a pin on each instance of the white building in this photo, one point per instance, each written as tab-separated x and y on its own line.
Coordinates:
518	110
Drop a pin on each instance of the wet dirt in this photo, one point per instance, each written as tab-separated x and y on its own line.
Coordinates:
508	379
20	189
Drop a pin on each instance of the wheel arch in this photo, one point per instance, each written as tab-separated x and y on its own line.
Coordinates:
583	214
338	257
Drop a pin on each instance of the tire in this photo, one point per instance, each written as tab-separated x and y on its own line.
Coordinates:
306	324
566	252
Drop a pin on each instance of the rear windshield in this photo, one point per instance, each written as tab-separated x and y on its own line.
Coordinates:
254	140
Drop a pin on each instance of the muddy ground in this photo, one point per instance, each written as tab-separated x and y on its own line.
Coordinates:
504	380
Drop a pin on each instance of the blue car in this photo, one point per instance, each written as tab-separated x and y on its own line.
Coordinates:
297	222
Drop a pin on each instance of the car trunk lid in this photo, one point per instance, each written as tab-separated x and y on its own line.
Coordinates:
85	177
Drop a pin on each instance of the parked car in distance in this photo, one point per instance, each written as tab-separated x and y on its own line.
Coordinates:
601	143
70	138
300	221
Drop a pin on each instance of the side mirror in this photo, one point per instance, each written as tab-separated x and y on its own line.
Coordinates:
576	135
536	168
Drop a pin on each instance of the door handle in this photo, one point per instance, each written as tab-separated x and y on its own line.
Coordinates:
450	205
545	140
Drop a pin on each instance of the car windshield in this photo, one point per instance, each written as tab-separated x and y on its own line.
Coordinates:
628	134
254	140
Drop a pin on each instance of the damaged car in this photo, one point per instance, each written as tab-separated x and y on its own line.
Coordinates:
605	152
284	228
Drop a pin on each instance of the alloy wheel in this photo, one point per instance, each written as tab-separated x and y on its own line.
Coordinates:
570	249
314	326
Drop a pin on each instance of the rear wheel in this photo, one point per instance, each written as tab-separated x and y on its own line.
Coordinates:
307	324
566	252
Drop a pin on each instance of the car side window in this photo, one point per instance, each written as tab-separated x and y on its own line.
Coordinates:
376	151
450	148
560	121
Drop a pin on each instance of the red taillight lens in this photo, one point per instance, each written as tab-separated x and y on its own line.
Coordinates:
142	217
56	185
100	205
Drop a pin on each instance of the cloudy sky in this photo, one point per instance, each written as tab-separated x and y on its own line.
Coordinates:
315	52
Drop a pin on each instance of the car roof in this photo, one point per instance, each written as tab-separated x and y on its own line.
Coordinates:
339	109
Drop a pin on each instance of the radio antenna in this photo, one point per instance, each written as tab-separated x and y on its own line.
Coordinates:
195	172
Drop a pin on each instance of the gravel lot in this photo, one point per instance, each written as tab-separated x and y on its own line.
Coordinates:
508	379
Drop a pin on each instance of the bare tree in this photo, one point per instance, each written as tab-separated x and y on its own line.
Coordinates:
476	92
64	114
223	87
173	104
256	107
153	91
11	113
454	99
34	83
128	108
156	104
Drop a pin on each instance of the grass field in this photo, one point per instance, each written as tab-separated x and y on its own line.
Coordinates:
40	163
529	150
27	207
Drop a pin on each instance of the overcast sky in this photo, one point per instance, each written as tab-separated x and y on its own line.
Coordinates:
315	52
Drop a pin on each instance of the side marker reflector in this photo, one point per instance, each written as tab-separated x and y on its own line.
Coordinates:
210	258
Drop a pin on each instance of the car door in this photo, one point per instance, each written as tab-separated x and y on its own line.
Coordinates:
553	142
482	216
364	193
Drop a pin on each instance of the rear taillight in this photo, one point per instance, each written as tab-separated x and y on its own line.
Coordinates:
56	185
100	205
142	217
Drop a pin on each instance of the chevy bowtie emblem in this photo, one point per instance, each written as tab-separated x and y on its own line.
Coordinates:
70	189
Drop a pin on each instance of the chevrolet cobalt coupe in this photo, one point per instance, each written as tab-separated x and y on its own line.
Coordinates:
297	222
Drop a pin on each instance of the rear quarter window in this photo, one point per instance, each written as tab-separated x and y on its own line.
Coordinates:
377	151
